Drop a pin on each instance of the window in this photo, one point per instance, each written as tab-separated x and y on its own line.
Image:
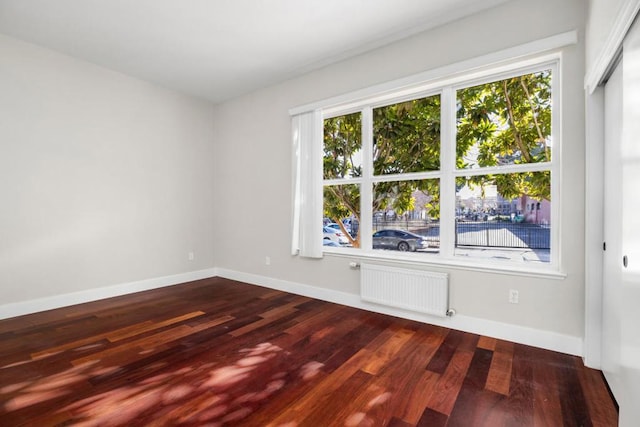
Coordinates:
462	171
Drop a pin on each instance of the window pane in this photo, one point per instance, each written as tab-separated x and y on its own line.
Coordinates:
343	147
505	122
406	137
504	217
342	212
406	215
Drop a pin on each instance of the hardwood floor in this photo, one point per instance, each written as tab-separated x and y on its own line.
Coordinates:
217	352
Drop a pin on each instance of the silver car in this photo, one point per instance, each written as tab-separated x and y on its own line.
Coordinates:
399	240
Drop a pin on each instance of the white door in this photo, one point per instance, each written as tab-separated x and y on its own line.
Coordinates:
621	293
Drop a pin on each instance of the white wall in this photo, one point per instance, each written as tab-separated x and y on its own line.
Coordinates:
104	179
253	174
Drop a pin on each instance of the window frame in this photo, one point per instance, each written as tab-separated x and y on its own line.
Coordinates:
446	88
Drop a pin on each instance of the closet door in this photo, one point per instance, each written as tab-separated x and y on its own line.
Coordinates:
612	289
621	293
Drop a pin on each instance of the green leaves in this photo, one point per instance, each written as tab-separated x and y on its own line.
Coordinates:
342	145
341	201
506	122
407	137
401	196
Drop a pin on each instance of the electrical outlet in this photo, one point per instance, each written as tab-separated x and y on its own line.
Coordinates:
267	260
191	256
514	297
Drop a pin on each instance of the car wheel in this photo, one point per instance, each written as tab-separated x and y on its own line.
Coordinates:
403	246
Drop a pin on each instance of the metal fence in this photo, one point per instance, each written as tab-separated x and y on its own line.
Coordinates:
503	235
491	234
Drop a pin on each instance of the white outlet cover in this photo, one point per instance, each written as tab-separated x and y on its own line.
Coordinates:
513	296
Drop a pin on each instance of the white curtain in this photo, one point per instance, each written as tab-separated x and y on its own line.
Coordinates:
307	184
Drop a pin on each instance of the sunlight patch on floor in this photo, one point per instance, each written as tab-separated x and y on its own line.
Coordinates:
25	400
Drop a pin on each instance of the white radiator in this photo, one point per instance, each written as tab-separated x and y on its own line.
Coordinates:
415	290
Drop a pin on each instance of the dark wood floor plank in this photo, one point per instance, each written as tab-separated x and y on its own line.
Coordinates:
441	360
547	395
521	387
444	397
575	410
431	418
487	343
367	330
397	422
411	405
345	406
404	377
480	408
116	335
592	383
262	322
381	356
222	352
475	405
499	376
325	387
479	369
314	348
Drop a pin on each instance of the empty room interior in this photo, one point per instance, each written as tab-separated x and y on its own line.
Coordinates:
167	166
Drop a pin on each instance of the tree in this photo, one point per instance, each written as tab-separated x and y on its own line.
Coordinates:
507	122
498	123
342	147
406	138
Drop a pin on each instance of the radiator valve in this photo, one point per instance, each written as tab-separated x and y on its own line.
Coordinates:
451	312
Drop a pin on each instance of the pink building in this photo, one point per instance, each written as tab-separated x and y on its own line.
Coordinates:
535	211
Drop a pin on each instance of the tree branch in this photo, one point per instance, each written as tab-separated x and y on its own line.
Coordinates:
541	137
516	132
354	242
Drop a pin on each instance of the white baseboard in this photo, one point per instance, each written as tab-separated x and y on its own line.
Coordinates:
523	335
58	301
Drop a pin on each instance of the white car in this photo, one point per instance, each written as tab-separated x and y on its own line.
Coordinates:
334	235
337	227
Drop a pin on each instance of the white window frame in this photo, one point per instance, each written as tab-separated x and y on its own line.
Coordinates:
535	56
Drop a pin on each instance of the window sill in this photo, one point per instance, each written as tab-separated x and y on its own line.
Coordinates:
408	259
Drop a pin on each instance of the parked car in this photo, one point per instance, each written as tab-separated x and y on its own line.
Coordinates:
337	227
334	235
399	240
351	225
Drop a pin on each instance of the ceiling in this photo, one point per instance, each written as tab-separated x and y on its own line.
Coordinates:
219	49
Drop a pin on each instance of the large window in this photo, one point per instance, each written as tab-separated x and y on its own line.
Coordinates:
458	172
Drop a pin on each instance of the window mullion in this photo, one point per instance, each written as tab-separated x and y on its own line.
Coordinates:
366	196
556	172
506	169
447	164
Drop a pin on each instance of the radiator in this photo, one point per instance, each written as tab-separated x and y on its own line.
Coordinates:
415	290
